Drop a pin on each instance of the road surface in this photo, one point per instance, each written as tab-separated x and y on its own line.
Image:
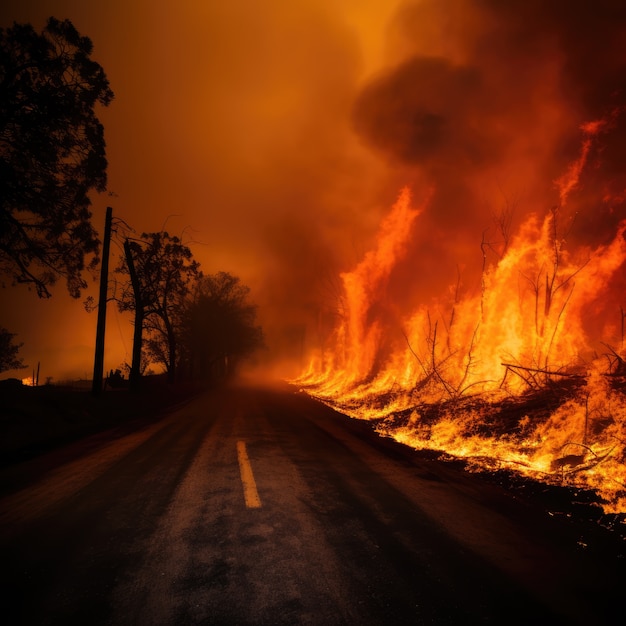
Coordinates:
260	506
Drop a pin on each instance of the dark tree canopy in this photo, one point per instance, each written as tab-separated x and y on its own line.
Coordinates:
164	271
52	154
9	359
219	326
195	326
165	268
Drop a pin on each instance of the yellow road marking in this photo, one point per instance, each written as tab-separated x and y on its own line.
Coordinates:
250	493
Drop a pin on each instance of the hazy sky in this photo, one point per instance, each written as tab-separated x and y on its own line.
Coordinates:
273	136
231	128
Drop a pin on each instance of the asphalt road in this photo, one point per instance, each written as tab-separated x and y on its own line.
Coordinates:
260	506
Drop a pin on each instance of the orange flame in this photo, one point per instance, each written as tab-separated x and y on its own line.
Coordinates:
523	329
568	182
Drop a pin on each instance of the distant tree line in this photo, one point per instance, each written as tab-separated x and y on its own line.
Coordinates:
196	326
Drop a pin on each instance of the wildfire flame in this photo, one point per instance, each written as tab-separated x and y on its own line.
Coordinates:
461	375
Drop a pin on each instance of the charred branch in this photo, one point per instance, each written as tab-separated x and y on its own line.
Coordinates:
528	374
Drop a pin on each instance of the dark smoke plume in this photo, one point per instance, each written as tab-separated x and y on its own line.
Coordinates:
488	101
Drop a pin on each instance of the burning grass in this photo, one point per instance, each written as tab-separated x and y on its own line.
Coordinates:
509	379
569	432
508	442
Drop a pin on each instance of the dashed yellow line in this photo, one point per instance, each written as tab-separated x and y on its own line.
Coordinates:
250	493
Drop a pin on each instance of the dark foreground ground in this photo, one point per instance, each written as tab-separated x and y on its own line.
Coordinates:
36	420
147	522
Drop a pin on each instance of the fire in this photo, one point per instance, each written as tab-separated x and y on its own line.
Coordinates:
569	180
460	375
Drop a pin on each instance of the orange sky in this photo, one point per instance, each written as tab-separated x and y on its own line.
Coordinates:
275	136
230	127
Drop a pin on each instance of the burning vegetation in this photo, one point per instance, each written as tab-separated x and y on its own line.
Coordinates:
504	376
487	320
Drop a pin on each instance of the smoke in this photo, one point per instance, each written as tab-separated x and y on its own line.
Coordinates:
487	101
229	128
413	113
274	137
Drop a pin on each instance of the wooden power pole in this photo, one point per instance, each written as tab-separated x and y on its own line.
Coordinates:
98	364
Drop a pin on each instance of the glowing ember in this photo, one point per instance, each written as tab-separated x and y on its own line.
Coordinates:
460	375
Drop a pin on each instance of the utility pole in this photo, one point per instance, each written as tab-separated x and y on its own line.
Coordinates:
98	364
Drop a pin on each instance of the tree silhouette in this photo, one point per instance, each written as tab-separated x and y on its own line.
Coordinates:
161	270
52	154
8	351
219	326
